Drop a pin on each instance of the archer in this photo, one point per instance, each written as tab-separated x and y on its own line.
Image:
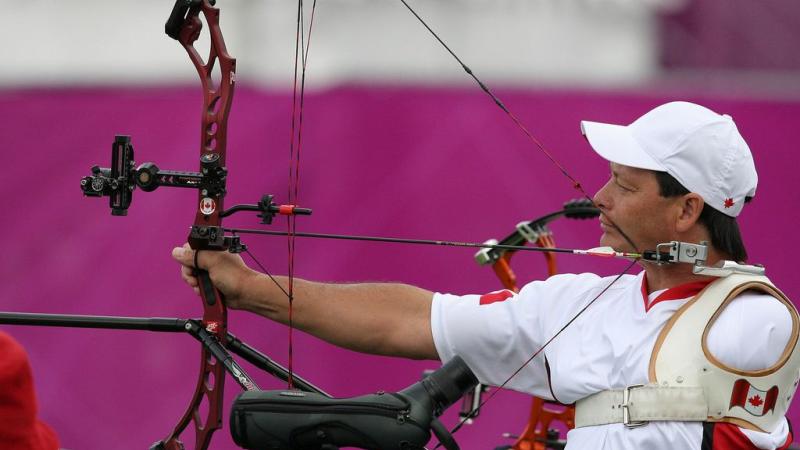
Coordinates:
686	356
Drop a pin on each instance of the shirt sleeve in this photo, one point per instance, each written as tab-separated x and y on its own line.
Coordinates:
497	333
751	318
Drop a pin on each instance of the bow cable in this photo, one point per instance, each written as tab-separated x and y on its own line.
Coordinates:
295	143
302	46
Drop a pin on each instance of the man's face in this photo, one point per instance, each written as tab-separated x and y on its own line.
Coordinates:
630	201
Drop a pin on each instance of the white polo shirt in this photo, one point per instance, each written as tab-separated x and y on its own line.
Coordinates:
607	347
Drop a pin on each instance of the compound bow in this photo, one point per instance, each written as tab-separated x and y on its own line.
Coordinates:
119	182
206	233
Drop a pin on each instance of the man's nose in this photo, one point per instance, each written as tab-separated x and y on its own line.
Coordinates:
600	198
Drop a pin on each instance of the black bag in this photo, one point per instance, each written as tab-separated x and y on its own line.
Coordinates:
294	420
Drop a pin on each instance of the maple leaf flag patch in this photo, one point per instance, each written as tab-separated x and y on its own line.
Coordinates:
728	202
753	400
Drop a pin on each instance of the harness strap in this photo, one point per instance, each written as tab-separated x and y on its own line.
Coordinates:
639	404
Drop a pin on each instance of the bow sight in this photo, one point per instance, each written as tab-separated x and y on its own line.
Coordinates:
120	180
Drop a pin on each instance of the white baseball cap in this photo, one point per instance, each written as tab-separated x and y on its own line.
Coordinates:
703	150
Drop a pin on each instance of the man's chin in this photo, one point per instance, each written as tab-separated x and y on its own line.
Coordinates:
615	243
606	241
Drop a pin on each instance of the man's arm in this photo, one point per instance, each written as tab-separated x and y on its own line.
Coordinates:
380	318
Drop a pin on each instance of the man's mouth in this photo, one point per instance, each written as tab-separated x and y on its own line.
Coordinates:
605	225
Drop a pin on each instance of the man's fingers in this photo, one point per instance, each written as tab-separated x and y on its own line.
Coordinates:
188	277
184	255
188	257
187	272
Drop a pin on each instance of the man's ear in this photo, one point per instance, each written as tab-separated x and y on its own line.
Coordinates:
691	206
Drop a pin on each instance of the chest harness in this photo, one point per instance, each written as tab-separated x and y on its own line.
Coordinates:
686	381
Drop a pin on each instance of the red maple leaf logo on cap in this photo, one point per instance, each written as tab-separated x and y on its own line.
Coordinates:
755	401
728	202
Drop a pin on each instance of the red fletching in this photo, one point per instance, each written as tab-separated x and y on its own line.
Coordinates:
602	254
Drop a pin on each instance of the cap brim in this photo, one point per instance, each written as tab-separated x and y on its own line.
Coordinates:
616	143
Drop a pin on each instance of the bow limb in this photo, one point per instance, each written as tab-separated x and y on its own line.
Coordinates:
206	233
502	268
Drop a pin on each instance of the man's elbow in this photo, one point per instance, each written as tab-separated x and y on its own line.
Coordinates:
410	340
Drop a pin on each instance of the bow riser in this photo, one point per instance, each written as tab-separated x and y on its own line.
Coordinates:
206	232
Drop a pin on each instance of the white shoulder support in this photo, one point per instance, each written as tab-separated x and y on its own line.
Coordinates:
689	384
752	399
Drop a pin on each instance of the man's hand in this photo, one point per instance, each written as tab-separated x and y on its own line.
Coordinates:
228	272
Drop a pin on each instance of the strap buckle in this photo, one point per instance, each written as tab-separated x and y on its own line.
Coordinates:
626	417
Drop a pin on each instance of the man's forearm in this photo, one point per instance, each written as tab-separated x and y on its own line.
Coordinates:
380	318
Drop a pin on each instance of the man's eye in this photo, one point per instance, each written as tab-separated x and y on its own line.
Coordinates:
624	188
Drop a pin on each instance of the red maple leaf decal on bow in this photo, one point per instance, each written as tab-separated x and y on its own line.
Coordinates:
755	401
728	202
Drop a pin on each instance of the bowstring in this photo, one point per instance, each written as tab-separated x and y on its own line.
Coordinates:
577	185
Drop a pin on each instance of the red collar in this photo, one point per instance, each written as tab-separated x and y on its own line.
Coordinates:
674	293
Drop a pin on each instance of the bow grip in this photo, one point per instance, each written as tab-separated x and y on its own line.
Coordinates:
207	289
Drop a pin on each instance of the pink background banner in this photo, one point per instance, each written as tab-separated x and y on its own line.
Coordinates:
387	161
